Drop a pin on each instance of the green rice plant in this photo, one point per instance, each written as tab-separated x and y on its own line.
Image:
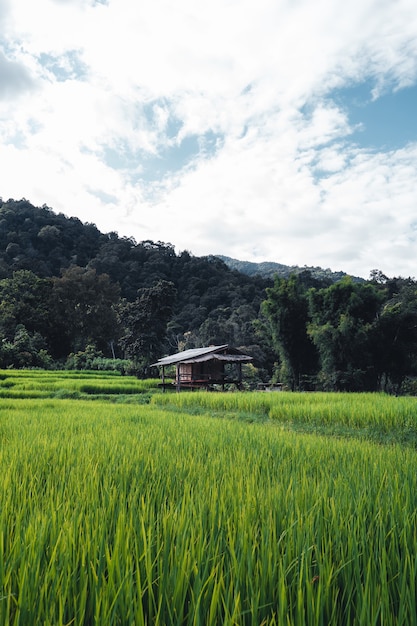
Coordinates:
139	515
376	416
125	386
24	393
38	383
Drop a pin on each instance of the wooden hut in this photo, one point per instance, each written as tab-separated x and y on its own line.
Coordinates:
201	368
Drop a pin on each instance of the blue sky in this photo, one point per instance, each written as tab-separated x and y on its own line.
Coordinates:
386	122
278	130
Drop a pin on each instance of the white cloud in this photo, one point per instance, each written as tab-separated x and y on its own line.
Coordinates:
14	78
117	84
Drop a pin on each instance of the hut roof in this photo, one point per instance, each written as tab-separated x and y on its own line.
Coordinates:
198	355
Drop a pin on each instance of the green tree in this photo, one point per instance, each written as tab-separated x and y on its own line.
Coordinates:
25	349
24	299
286	309
344	318
83	311
396	334
144	323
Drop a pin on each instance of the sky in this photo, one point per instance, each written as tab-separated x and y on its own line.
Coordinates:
267	130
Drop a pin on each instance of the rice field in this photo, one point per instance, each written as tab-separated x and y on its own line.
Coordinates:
378	417
72	384
167	514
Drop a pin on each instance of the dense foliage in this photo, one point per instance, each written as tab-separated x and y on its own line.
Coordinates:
71	295
348	336
69	292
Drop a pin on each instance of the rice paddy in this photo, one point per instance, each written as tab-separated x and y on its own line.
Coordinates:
72	384
377	417
185	511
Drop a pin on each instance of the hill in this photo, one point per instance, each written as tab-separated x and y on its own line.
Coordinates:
189	301
269	269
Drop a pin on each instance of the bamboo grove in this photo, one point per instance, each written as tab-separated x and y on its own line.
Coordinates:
348	336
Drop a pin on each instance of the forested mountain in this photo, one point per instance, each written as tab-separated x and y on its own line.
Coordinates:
269	269
71	296
123	298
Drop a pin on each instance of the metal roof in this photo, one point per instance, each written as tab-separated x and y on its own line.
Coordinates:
227	358
188	355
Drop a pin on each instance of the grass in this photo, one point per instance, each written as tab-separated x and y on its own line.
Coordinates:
134	514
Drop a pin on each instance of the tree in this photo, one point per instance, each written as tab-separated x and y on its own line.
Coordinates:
343	322
24	299
24	350
144	323
83	311
396	335
286	309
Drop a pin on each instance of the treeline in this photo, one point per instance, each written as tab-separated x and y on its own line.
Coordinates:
344	337
71	296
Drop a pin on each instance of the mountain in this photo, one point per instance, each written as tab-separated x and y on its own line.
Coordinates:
38	239
269	269
72	296
211	304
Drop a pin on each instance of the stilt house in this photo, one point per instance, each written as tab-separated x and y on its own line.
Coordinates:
204	367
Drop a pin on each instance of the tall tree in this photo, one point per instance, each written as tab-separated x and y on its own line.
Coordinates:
24	300
286	309
343	322
144	323
396	337
84	311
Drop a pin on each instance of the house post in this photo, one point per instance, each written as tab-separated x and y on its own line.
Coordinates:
178	376
239	370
